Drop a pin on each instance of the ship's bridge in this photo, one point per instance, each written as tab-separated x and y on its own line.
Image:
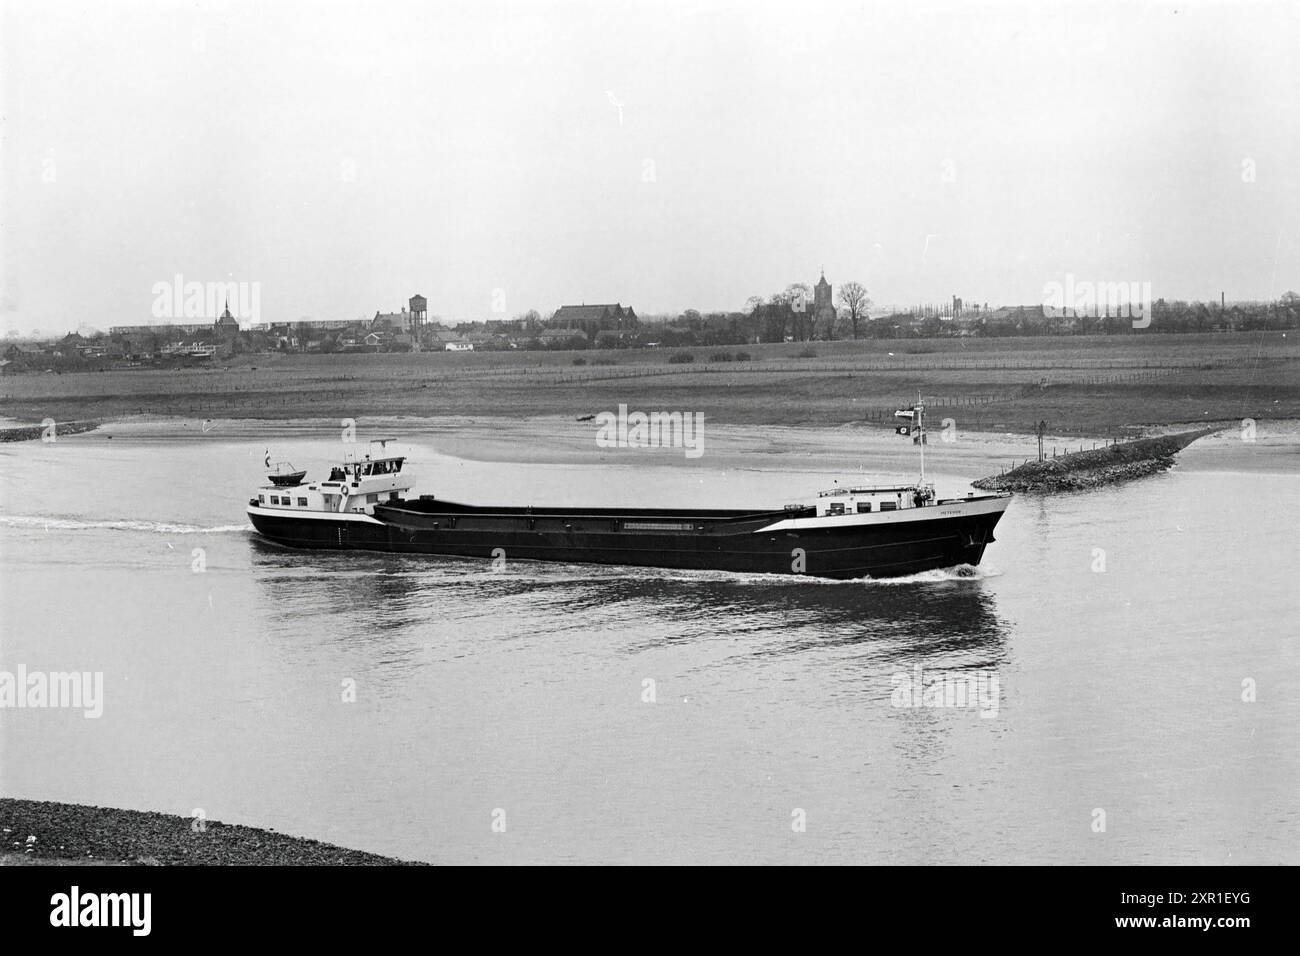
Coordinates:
353	486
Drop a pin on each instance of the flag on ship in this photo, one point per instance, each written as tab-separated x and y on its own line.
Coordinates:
916	430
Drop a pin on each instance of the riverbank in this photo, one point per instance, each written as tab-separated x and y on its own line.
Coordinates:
1079	385
33	832
861	449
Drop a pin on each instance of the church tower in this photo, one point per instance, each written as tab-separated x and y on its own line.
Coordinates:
226	323
823	309
822	295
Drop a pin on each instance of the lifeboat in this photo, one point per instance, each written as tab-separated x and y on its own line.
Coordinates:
286	476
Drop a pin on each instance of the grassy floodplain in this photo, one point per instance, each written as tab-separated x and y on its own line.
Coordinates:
1094	385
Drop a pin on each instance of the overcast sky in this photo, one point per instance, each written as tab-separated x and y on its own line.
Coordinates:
666	155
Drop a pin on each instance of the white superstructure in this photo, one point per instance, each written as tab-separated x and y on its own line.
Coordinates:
354	487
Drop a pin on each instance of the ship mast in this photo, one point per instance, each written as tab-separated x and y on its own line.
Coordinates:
920	430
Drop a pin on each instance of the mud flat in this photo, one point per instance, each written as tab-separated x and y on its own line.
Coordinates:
1095	468
36	832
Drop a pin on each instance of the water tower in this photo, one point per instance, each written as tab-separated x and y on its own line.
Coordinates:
419	306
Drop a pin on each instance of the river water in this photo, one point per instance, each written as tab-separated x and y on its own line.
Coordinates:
545	713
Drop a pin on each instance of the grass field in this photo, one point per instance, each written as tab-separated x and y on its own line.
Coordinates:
1079	385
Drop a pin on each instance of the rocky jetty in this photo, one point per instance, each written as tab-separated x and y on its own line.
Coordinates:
1083	470
32	831
32	432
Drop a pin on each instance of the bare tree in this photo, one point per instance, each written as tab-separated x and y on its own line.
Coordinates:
753	321
797	295
853	296
798	298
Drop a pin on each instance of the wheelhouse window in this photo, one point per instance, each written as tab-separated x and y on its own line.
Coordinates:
392	496
864	507
302	502
275	499
261	499
889	506
836	508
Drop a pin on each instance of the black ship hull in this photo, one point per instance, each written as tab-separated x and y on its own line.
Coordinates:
794	541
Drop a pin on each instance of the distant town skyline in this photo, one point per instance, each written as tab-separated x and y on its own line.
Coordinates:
498	159
937	306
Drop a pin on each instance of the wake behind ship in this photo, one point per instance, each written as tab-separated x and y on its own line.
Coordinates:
878	531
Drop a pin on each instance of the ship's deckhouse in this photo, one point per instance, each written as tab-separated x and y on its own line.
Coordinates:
848	501
353	487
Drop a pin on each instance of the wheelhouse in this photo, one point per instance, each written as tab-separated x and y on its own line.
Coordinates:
354	486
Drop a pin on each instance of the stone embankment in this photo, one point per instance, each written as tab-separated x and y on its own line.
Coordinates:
32	432
1095	468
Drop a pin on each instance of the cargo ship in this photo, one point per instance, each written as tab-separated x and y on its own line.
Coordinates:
844	532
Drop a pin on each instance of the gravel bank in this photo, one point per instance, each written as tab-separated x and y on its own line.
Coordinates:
32	830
